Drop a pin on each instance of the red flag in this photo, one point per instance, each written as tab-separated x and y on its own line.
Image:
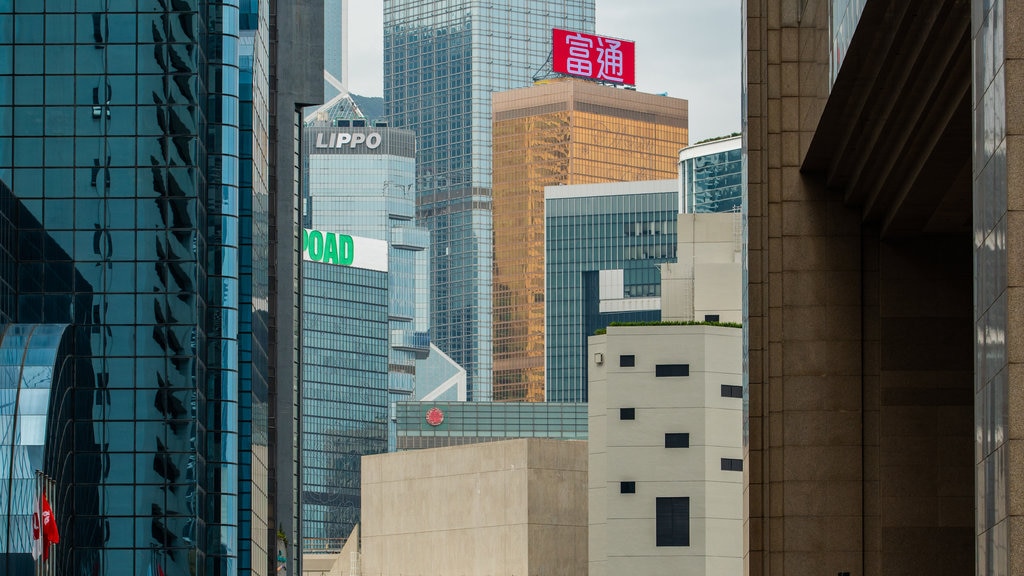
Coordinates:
49	527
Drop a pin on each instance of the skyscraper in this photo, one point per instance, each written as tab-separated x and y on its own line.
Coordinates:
126	155
335	46
368	323
603	245
345	339
442	60
556	133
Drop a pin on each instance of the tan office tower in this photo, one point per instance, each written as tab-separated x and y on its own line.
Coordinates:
886	286
560	132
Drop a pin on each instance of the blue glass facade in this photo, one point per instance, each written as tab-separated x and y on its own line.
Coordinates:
344	394
590	228
361	180
711	177
335	44
36	380
254	241
442	61
119	134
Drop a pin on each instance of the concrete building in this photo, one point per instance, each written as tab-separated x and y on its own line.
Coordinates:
884	286
665	414
554	133
498	508
442	61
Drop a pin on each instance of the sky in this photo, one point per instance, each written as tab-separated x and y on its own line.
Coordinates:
690	49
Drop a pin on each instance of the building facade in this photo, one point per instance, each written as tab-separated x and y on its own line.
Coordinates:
439	423
666	458
561	132
499	508
442	61
711	176
126	156
362	180
603	245
335	46
345	346
665	414
883	287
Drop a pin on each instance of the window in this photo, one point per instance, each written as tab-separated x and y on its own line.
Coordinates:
730	391
665	370
712	318
627	413
732	464
627	487
627	360
673	522
677	440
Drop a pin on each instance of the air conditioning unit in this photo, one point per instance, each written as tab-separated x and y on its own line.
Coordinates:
598	358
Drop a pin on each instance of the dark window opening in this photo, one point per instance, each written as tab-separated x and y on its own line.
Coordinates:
627	413
677	440
712	318
665	370
730	391
627	360
673	522
732	464
627	487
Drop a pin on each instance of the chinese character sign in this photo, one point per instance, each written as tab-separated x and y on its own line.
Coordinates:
597	57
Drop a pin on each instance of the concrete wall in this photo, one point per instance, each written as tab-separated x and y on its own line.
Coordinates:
622	526
707	278
512	508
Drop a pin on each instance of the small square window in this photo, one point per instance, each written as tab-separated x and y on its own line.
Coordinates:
668	370
627	413
732	464
627	360
712	318
730	391
677	440
627	487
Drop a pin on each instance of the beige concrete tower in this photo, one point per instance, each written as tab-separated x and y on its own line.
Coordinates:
884	189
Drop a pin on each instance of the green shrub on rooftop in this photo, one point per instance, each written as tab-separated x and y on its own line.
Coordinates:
600	331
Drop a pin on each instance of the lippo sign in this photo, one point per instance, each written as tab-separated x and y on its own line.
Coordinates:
344	250
590	56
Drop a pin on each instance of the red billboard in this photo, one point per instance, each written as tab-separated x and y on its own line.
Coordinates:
590	56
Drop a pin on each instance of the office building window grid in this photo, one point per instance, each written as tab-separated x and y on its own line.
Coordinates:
345	393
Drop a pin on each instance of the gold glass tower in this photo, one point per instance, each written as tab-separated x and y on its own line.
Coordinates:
558	133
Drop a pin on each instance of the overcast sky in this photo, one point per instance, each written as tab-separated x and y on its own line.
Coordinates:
688	48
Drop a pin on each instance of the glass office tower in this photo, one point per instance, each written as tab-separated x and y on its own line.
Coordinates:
442	61
604	243
335	46
120	136
130	163
345	392
560	132
361	179
253	296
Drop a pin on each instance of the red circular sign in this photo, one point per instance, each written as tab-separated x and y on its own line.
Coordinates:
435	416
